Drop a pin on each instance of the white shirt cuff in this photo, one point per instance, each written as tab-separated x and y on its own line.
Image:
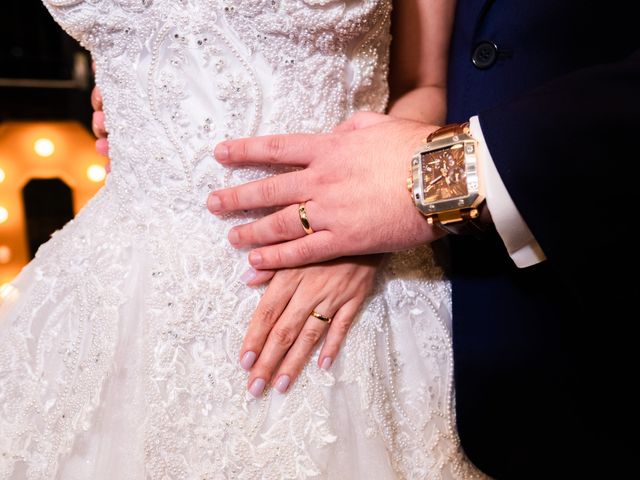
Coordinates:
518	239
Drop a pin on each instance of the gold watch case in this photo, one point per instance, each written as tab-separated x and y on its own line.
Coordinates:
445	180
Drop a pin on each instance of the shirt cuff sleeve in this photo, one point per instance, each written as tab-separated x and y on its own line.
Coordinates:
518	239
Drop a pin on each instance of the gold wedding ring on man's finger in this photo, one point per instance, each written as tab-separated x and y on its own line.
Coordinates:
302	213
319	316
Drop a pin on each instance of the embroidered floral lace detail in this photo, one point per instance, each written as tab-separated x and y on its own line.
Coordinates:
120	341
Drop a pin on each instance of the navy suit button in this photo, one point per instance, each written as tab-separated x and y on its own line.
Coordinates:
485	55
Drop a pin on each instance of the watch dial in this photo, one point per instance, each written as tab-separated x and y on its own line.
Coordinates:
443	174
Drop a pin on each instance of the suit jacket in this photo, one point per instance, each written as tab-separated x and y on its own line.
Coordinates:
543	355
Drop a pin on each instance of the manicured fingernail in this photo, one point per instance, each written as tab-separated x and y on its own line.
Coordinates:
283	383
255	259
214	203
234	237
326	363
257	387
248	359
102	146
248	276
221	153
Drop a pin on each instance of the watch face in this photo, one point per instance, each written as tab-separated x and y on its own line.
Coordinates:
444	174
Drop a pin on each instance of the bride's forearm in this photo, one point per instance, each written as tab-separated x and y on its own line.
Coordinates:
419	57
425	104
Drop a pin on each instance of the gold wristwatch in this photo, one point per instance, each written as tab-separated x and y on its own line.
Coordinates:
445	183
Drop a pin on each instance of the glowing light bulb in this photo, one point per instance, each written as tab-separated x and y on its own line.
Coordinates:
4	214
2	175
7	292
96	173
5	254
44	147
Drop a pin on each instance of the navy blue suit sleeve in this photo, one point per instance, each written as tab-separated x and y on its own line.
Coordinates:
568	154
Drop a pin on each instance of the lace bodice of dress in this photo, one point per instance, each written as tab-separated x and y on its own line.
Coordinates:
178	76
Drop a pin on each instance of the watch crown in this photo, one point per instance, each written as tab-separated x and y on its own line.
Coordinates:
410	184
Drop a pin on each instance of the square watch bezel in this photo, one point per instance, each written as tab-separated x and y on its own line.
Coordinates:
471	200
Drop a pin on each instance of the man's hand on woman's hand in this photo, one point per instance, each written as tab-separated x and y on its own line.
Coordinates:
354	183
283	334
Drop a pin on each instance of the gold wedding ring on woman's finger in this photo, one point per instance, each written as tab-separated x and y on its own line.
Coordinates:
319	316
302	213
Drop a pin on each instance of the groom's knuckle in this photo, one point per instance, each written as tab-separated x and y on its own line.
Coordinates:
280	225
274	147
233	199
277	256
303	251
269	191
323	249
239	151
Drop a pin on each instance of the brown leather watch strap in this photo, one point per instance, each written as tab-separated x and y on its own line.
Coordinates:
468	224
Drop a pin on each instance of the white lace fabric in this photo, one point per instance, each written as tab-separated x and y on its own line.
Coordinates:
119	342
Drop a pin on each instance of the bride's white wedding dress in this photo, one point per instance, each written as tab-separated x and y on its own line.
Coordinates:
119	343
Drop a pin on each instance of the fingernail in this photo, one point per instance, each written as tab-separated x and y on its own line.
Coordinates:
214	203
283	383
257	387
255	259
247	361
234	237
326	363
102	146
248	276
221	153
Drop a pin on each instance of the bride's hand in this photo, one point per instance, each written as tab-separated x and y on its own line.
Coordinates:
97	123
283	332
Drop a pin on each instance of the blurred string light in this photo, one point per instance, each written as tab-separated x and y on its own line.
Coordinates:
4	214
2	175
96	173
44	147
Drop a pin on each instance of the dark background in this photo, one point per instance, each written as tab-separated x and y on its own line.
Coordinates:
44	74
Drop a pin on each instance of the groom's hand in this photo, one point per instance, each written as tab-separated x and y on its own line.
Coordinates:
354	183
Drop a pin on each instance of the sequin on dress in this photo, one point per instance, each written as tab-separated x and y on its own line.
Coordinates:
119	342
